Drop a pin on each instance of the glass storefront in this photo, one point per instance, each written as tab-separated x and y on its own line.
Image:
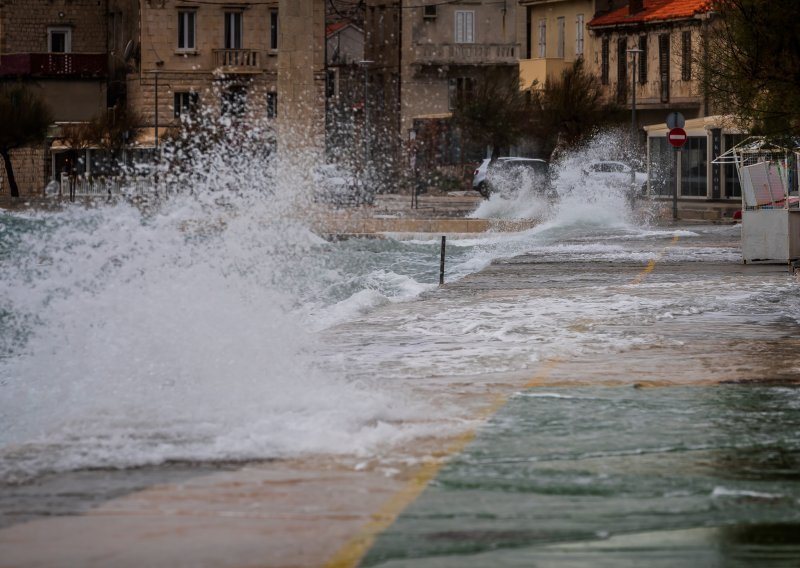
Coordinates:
694	167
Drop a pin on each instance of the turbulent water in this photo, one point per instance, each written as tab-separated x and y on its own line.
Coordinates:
200	330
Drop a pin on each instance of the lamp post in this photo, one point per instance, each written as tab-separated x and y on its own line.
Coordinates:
634	138
155	133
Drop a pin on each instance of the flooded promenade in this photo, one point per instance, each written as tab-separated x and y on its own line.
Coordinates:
578	394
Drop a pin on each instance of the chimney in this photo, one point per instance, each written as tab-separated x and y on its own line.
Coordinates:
635	6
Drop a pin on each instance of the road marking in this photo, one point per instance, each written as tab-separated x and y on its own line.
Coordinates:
351	553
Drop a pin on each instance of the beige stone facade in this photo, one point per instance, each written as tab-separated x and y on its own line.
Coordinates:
444	46
667	72
301	74
208	55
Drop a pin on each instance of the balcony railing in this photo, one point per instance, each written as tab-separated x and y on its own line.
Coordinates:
465	53
54	64
239	60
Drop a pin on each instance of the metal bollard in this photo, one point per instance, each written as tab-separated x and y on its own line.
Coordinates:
441	262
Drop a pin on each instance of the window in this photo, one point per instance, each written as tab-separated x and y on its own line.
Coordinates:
272	105
643	59
459	90
528	34
59	40
579	35
543	38
273	30
185	104
604	62
561	27
234	101
186	30
429	12
694	160
686	52
233	30
465	27
622	70
663	66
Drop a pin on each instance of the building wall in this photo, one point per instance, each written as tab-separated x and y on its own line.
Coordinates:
30	171
24	24
536	68
73	100
431	55
301	74
202	70
683	94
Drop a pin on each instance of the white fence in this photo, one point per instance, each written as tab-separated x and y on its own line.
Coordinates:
104	187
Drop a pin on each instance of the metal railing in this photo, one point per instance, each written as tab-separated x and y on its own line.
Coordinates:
465	53
54	64
104	187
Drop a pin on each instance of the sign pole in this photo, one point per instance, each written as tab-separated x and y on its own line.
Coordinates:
678	153
677	138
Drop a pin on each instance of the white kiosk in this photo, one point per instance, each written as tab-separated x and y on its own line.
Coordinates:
770	200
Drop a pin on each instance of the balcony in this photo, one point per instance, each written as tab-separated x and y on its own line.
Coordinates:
541	70
67	65
465	54
239	61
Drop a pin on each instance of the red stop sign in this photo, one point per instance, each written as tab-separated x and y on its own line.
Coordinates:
677	137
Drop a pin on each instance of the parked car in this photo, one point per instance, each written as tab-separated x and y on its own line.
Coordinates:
507	174
339	188
615	173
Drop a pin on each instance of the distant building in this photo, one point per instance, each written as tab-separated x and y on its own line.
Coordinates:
345	92
218	56
554	33
66	52
667	37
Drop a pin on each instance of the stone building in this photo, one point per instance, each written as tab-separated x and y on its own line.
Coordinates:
423	56
666	39
220	57
669	39
64	51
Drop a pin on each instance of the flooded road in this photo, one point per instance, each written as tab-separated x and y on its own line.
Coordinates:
576	395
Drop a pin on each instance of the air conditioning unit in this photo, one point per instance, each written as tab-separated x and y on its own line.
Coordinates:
429	12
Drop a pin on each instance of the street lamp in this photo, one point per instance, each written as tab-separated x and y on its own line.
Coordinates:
155	133
633	52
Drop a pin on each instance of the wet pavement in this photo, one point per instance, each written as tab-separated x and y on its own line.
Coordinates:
681	450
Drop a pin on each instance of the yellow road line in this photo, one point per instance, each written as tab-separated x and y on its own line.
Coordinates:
351	553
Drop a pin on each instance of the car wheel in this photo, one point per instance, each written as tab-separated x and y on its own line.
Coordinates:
483	189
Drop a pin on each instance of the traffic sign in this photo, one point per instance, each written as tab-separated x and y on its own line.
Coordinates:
675	120
677	137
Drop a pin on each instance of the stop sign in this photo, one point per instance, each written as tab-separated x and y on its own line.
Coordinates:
677	137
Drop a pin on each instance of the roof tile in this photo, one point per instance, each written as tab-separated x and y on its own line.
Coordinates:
654	11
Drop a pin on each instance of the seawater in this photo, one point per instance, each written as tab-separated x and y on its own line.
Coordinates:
210	329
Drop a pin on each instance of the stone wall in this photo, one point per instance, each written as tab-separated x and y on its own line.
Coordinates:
24	24
30	171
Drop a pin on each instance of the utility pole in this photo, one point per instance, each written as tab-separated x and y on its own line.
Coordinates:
634	136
